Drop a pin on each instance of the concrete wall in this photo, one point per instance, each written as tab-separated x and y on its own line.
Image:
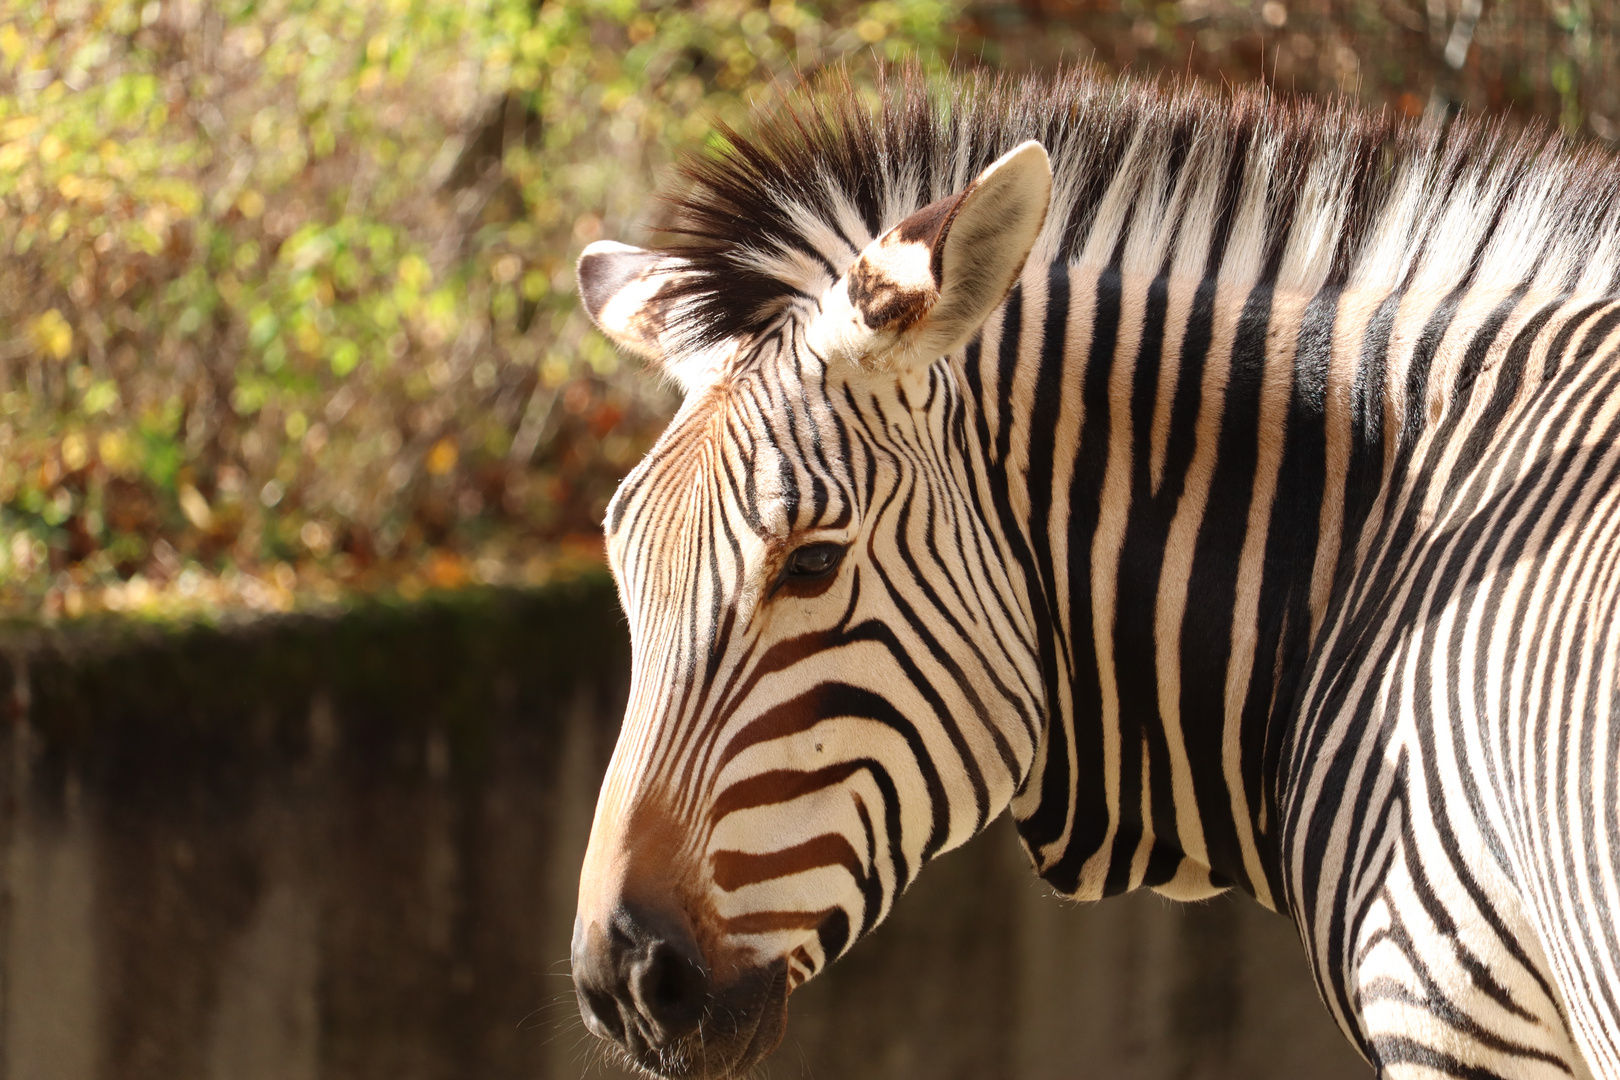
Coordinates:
348	849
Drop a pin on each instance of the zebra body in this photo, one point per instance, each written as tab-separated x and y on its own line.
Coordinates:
1451	695
1226	488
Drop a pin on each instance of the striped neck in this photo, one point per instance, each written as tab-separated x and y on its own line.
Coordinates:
1182	470
1236	321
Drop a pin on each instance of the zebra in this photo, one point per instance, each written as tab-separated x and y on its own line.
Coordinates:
1223	485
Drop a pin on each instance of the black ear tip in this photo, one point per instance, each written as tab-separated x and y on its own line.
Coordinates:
604	270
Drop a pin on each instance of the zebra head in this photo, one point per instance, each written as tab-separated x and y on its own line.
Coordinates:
833	679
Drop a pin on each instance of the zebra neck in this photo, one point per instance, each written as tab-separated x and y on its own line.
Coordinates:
1182	470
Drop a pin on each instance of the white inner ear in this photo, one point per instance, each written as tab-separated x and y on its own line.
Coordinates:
624	292
622	289
626	311
989	241
985	246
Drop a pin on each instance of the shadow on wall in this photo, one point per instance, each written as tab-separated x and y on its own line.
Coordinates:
347	849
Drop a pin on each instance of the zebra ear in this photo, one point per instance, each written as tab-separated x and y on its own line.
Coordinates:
923	288
630	294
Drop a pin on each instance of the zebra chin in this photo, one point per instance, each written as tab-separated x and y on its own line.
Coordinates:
644	984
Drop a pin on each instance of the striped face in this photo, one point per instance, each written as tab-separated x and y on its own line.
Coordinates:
833	679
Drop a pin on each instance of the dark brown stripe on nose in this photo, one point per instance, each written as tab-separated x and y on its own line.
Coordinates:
735	869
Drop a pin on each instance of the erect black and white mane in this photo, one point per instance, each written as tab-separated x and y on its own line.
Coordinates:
1156	180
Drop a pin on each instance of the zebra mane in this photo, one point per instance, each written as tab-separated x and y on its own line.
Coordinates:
1148	178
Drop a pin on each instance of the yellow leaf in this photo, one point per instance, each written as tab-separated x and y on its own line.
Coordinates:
51	334
309	337
414	273
446	570
20	126
116	452
11	42
442	458
75	451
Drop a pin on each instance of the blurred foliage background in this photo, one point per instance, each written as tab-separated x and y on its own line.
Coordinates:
286	298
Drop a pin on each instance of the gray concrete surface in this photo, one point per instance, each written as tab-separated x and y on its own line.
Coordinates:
337	896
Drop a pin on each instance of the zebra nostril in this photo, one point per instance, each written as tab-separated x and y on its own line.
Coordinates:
601	1013
640	978
670	988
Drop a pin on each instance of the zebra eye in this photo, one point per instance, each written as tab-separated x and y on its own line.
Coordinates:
813	561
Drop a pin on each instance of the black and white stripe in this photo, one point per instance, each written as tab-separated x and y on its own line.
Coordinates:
1265	534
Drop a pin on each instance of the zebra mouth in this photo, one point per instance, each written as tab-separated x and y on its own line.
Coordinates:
742	1025
770	1024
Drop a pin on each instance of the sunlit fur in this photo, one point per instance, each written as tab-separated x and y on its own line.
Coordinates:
1266	536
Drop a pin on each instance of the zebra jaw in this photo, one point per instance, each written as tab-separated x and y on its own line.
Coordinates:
920	290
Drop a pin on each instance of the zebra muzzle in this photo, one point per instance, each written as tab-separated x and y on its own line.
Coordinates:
642	983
